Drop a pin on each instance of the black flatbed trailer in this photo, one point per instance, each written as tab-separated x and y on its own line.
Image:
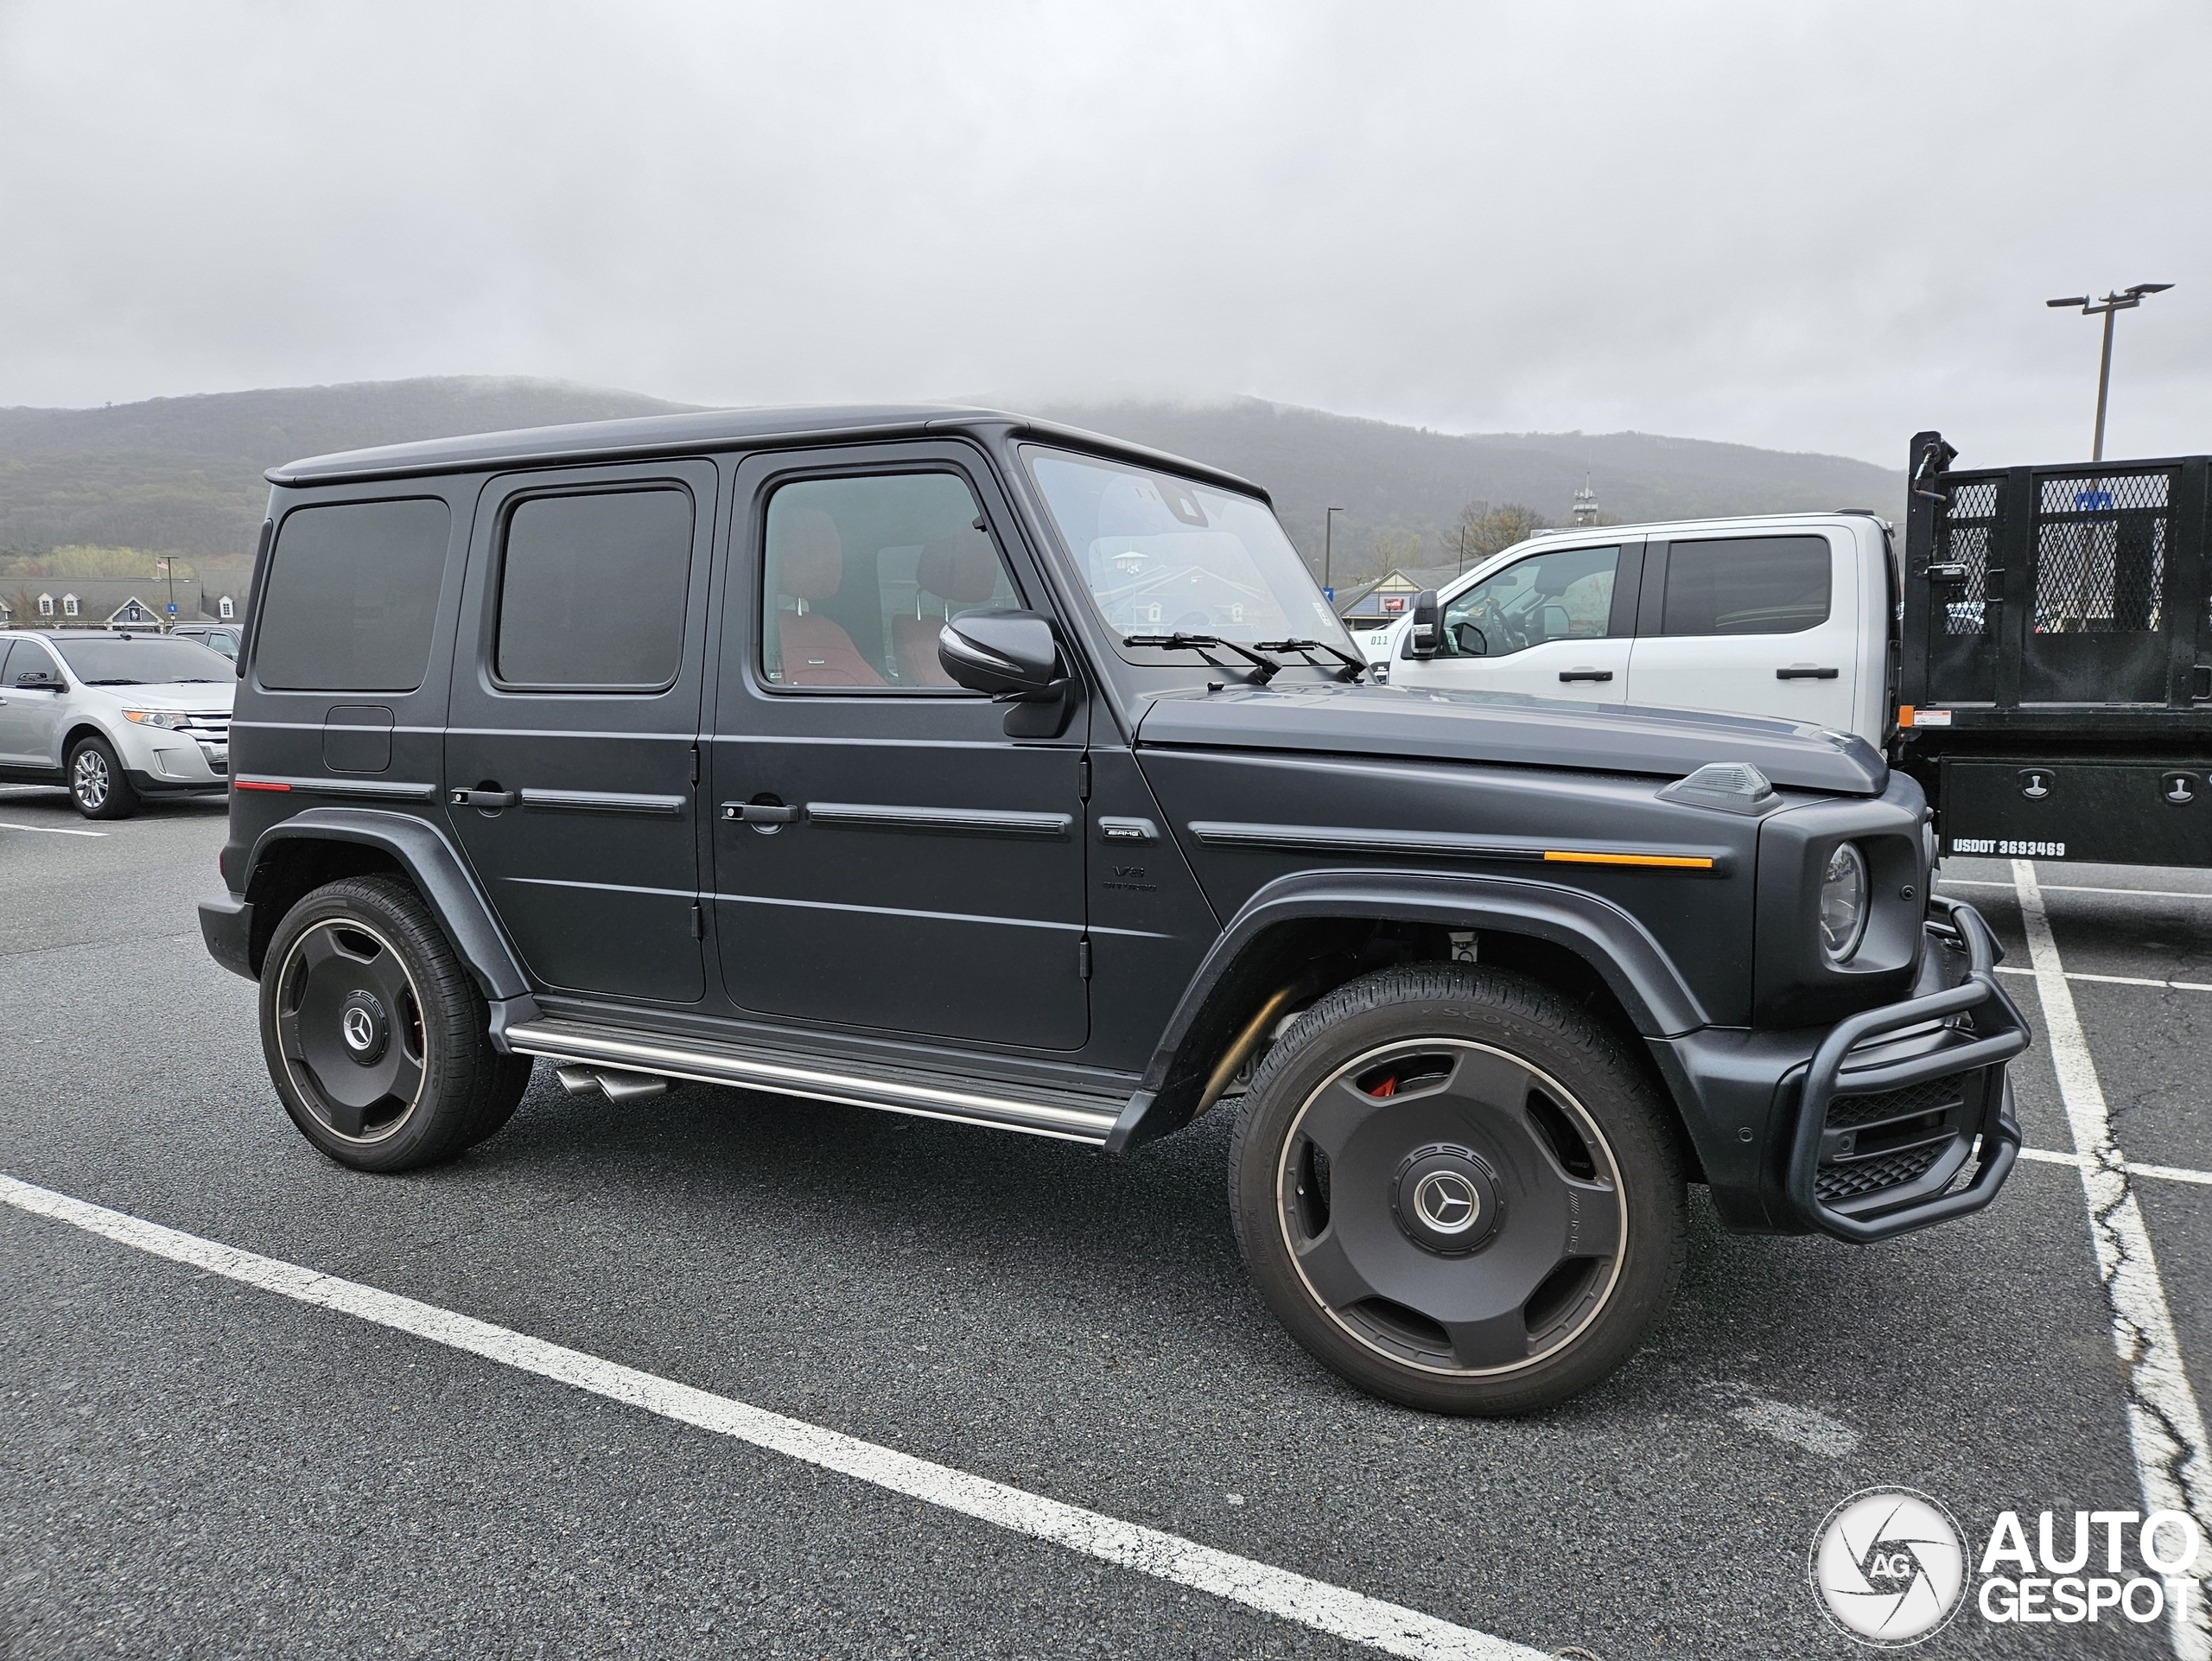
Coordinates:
2055	658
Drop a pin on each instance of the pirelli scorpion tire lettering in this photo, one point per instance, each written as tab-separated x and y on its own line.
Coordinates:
376	1037
1459	1191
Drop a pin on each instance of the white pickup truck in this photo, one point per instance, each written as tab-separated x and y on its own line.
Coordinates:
2038	655
1786	614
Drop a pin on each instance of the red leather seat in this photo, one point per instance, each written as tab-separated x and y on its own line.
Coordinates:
810	566
961	570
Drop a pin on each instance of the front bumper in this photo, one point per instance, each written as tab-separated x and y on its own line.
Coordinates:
1861	1130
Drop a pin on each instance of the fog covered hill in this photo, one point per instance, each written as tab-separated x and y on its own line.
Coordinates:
185	475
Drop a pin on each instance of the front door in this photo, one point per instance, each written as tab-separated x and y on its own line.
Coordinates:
1554	624
885	855
1764	624
571	754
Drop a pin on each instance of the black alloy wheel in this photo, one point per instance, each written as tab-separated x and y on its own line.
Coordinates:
375	1038
97	785
1456	1189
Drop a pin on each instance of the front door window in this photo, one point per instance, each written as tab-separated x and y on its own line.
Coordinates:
860	575
1564	595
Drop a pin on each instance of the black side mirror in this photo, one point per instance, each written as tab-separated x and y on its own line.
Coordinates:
1012	656
38	680
1420	638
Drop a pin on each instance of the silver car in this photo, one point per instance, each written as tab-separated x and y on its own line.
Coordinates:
115	717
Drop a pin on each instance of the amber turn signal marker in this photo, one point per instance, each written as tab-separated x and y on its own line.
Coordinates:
256	784
1674	861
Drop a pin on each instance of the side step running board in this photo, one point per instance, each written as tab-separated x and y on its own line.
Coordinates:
603	1058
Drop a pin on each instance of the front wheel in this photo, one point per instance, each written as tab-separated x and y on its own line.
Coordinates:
97	783
1457	1191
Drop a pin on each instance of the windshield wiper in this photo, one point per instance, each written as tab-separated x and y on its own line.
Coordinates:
117	680
1264	669
1353	667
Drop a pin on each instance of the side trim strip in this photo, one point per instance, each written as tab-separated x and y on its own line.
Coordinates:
362	790
957	821
602	801
899	1096
1450	844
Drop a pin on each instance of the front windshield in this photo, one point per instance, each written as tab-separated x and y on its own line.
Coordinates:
141	660
1165	555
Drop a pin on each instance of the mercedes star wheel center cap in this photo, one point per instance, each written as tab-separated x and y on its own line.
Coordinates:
361	1023
1446	1199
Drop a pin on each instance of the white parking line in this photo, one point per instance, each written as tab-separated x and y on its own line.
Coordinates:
2164	1423
2072	888
2117	980
2163	1172
51	830
1389	1627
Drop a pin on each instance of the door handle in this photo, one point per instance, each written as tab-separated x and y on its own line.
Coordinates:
1806	671
490	800
1586	674
760	812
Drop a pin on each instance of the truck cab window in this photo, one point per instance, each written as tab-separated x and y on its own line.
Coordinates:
1563	595
1746	585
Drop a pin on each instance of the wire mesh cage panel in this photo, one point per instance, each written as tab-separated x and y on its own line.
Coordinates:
1964	533
2100	552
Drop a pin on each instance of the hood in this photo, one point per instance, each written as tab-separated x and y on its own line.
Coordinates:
1512	728
170	695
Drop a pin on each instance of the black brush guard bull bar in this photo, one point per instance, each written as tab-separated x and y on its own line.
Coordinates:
1987	1031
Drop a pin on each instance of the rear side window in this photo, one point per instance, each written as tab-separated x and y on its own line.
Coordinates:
592	588
1746	585
352	593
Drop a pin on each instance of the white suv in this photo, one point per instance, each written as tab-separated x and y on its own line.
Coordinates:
115	717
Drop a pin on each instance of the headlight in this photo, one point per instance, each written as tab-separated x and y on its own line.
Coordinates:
169	718
1843	902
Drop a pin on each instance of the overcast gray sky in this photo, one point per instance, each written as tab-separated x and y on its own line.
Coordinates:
1813	226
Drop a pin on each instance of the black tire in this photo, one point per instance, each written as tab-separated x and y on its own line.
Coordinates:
97	785
1459	1191
377	1040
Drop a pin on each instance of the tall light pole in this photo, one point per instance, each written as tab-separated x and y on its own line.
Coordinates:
2126	300
1328	535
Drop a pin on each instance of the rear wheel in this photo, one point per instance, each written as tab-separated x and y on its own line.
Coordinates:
1457	1190
97	783
375	1038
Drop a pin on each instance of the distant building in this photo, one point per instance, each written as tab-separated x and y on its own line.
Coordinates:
1586	505
129	601
1391	597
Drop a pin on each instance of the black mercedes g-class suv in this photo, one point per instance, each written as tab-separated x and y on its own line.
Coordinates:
956	764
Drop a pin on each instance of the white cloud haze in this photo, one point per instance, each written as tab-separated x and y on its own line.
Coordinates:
1813	226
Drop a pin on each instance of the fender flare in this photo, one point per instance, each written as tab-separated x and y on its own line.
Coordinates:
1612	942
437	870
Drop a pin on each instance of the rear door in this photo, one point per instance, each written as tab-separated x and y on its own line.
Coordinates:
1555	623
571	758
1754	624
885	855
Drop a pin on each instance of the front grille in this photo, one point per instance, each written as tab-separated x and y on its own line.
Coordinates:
209	726
1862	1177
1889	1139
1936	1096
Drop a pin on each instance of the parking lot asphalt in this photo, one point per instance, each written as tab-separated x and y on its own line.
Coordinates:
193	1466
